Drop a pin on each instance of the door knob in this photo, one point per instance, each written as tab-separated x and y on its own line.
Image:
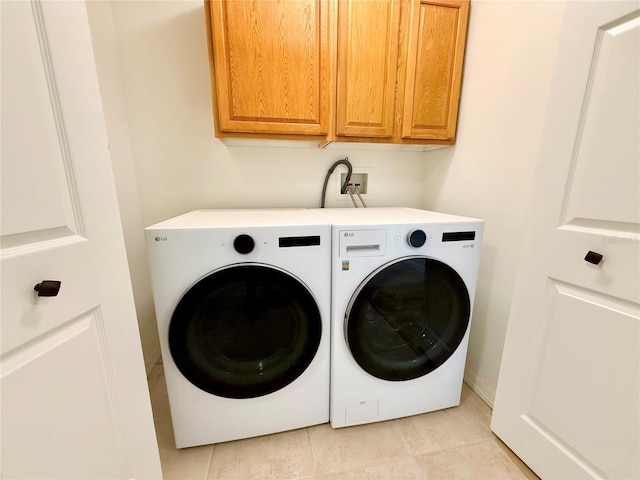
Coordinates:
593	257
48	288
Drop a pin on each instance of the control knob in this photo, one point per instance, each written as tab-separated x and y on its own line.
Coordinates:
417	238
244	244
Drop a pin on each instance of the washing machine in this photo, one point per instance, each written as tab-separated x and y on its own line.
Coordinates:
242	300
403	284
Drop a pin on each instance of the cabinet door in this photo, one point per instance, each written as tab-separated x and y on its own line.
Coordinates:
271	66
367	62
434	68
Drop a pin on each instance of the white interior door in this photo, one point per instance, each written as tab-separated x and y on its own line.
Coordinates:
567	401
74	397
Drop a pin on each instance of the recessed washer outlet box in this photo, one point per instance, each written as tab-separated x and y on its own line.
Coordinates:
360	179
361	175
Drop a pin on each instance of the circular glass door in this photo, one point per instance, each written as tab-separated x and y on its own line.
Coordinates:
245	331
407	318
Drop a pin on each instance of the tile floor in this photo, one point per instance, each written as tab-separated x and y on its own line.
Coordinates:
450	444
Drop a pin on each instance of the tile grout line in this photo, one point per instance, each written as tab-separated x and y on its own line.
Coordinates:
455	447
405	442
313	457
209	463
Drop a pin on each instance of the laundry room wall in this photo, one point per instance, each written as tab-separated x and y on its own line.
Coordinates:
489	173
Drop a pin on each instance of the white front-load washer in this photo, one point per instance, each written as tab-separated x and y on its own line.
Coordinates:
403	283
242	300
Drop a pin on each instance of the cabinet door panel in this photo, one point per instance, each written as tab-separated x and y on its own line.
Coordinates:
434	70
272	66
367	61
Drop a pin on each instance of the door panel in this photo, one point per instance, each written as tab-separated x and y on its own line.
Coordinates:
30	112
585	334
434	68
73	388
272	65
567	400
368	36
597	191
44	388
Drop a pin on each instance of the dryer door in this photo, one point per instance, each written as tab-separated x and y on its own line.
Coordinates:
245	331
407	318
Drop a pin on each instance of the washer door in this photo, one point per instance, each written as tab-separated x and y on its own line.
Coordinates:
407	318
245	331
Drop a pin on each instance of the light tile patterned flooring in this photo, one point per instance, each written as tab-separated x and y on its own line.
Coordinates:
455	443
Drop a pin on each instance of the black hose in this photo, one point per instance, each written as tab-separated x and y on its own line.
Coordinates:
344	161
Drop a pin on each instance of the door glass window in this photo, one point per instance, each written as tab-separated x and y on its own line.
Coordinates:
245	331
407	318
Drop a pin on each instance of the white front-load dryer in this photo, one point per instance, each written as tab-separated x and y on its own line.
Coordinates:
242	300
403	283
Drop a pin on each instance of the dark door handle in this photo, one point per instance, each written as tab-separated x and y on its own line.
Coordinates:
593	257
48	288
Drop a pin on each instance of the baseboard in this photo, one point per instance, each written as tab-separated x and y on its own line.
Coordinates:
484	391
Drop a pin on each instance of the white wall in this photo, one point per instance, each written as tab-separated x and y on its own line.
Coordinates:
489	174
153	64
179	163
122	158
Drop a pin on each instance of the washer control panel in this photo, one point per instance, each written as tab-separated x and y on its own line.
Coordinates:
403	240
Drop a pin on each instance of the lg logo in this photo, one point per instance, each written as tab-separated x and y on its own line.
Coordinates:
160	239
349	234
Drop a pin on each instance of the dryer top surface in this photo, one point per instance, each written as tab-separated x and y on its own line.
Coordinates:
387	216
233	218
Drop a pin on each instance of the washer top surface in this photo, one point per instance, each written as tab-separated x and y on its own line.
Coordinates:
234	218
387	216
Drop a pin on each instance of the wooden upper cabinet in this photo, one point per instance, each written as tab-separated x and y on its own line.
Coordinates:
367	63
271	66
434	69
400	69
337	70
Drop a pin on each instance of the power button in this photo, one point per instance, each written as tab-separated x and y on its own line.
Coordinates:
417	238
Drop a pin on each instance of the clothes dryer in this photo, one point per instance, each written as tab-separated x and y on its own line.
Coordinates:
403	284
242	300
